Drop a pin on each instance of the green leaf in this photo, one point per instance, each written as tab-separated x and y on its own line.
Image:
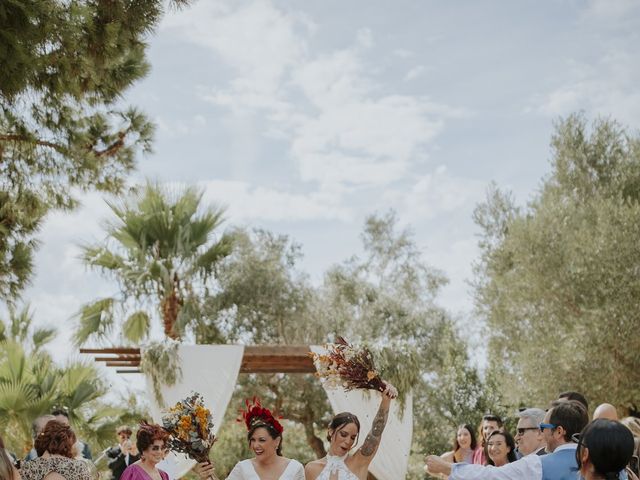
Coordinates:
137	326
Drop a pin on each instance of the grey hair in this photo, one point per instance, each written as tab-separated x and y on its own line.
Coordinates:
536	415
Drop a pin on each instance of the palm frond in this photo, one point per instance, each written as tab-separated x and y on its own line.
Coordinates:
137	326
95	320
42	336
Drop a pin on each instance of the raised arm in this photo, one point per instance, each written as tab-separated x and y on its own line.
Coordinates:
366	452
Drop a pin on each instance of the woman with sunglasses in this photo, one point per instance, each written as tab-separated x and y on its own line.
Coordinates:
151	443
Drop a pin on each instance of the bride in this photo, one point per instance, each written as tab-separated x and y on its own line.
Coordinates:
343	435
265	440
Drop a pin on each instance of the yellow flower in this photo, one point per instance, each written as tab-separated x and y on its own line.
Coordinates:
371	375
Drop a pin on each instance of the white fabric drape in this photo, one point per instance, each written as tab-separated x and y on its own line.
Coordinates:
392	459
211	370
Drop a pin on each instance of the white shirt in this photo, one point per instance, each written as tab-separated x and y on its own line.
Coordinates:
527	468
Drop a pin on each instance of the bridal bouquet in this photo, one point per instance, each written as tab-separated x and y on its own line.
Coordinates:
190	425
347	366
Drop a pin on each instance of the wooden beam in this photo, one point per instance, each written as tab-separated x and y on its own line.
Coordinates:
256	358
122	364
133	351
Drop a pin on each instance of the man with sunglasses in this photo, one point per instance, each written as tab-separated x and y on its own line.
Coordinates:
529	438
561	422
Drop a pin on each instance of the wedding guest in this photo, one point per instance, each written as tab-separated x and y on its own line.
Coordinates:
36	428
489	424
54	446
605	410
529	438
123	454
561	422
7	469
577	396
83	450
464	445
500	448
343	435
604	450
151	442
264	434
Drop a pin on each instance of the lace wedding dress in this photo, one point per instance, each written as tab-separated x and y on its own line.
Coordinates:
336	469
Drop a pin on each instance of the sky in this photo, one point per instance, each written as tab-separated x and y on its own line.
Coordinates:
305	117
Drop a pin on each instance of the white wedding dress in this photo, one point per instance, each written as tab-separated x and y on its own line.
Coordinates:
336	469
244	470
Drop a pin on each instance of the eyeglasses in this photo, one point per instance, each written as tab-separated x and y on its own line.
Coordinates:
520	431
546	425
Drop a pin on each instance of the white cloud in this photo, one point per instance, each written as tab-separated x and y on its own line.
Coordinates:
247	202
340	129
437	193
607	88
415	72
610	9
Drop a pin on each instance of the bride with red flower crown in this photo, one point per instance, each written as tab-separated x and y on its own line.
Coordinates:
264	434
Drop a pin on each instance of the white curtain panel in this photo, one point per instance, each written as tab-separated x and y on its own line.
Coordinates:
211	370
392	459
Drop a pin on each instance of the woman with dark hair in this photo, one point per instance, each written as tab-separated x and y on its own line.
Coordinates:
151	442
604	450
464	446
7	469
500	448
264	434
54	446
343	434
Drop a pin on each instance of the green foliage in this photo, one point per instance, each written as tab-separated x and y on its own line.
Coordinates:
260	296
32	385
161	251
161	363
63	127
557	281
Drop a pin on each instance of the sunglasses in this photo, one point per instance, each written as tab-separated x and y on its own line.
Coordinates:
546	425
520	431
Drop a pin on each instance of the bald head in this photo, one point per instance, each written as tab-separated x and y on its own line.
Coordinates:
607	411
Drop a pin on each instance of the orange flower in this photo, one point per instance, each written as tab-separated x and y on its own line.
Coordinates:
371	375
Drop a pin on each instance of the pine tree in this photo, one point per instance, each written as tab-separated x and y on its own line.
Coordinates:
63	128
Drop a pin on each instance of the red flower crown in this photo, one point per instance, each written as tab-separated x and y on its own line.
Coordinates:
256	414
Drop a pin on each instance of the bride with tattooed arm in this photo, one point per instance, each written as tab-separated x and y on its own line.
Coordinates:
343	435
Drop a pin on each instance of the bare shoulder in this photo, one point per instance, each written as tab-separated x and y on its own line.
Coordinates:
313	468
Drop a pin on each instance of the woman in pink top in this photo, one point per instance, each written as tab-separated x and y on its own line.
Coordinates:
151	443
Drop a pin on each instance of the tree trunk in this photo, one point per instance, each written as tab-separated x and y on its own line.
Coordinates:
170	308
314	442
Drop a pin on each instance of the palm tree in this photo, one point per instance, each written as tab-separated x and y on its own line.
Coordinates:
161	250
31	384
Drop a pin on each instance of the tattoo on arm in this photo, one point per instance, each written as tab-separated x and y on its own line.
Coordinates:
372	441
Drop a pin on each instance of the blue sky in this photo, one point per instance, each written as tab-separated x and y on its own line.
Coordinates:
304	117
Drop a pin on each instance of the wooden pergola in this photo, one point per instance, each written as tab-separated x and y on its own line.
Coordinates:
256	359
